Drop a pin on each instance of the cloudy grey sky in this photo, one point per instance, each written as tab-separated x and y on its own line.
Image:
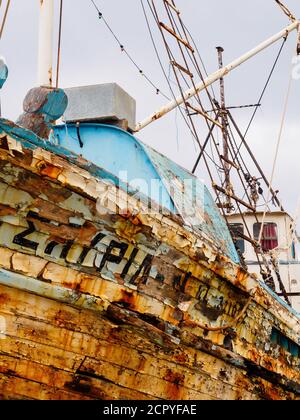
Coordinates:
90	55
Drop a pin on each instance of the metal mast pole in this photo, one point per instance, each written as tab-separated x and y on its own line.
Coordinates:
216	76
224	128
45	43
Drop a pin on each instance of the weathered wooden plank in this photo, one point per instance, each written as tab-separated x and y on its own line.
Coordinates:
37	372
40	353
103	389
182	380
37	340
169	388
249	349
62	383
20	303
14	397
60	315
85	345
130	298
107	350
11	385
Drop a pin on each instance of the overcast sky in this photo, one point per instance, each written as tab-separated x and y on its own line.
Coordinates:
90	55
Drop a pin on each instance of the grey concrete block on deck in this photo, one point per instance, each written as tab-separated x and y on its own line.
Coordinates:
98	103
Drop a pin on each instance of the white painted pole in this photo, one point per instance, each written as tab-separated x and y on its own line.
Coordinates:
216	76
45	43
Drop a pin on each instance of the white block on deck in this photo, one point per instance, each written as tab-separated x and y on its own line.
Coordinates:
100	102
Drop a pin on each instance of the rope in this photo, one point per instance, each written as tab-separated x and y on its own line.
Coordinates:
59	42
4	17
276	152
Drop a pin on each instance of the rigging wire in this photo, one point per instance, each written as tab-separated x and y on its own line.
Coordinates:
176	115
259	102
171	57
200	57
154	46
277	151
191	124
161	64
266	85
263	92
286	11
59	42
231	146
190	57
167	77
4	18
232	143
241	162
169	81
123	49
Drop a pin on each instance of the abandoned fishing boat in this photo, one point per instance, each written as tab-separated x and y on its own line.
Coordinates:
119	276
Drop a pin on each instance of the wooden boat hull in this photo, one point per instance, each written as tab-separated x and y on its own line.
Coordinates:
124	305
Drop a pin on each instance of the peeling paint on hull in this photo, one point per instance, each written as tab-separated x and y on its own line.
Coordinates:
121	306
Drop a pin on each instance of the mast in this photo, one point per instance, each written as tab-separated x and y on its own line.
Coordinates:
45	43
216	76
224	118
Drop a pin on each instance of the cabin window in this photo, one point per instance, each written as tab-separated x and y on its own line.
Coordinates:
269	239
237	229
284	342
